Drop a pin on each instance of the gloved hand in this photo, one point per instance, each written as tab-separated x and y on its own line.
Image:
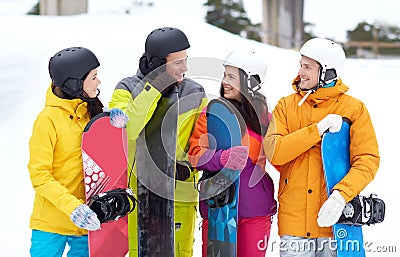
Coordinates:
183	171
160	80
331	210
331	122
235	158
118	118
84	217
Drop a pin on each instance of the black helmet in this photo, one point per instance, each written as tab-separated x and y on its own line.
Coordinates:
163	41
69	67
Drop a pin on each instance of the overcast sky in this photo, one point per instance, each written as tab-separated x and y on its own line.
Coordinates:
333	18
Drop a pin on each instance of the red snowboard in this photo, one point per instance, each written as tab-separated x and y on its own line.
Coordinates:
105	168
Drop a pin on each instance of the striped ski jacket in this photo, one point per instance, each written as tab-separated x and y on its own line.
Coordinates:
139	102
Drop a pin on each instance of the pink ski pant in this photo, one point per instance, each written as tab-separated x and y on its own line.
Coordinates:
252	236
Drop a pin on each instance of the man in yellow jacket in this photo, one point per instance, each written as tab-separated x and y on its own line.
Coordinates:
293	140
139	96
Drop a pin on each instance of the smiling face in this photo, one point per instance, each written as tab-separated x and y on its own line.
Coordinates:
176	65
91	83
231	83
308	72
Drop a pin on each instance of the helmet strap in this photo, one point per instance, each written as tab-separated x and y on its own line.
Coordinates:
252	90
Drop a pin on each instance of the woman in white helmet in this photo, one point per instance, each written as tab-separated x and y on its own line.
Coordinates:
243	77
293	141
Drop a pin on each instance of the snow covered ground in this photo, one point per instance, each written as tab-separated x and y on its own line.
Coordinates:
117	38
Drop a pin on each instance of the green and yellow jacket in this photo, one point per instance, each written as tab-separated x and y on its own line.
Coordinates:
139	101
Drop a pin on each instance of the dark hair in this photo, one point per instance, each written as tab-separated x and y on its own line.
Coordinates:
253	108
95	106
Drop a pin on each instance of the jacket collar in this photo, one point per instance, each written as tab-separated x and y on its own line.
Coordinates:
74	107
322	94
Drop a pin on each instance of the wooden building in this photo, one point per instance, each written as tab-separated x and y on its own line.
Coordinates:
283	23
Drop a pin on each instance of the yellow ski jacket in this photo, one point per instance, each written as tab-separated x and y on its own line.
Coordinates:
55	164
293	142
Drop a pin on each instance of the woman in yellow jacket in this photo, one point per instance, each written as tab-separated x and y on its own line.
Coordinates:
293	140
59	213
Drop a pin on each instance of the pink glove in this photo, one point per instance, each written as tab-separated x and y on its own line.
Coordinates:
235	158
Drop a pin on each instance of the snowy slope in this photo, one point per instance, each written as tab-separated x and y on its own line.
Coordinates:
118	39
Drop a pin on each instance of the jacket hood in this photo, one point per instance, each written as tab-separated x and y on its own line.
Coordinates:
140	74
322	94
73	107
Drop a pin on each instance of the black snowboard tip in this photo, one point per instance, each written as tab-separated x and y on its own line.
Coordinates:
92	120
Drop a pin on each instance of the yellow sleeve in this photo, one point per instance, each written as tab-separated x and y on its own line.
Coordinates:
139	109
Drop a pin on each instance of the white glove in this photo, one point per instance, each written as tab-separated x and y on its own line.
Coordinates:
84	217
331	210
333	122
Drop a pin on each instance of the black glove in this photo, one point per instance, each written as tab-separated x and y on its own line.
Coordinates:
157	77
162	81
183	171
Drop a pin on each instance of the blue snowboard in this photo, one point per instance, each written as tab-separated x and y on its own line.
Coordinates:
224	132
336	162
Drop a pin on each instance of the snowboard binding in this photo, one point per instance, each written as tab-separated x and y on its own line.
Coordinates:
113	204
363	210
223	198
217	189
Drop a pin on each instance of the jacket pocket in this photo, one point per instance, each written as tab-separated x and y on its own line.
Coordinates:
285	177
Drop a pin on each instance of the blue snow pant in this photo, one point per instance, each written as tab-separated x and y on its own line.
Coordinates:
46	244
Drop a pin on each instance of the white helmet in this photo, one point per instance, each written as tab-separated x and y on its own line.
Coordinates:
328	54
250	62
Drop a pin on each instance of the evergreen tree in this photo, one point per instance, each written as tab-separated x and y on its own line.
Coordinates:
362	32
308	31
35	9
231	16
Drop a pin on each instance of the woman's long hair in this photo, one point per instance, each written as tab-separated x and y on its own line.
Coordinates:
253	107
95	106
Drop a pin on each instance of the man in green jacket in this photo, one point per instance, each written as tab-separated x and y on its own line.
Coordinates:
138	96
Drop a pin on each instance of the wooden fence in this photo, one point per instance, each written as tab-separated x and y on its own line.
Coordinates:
374	45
